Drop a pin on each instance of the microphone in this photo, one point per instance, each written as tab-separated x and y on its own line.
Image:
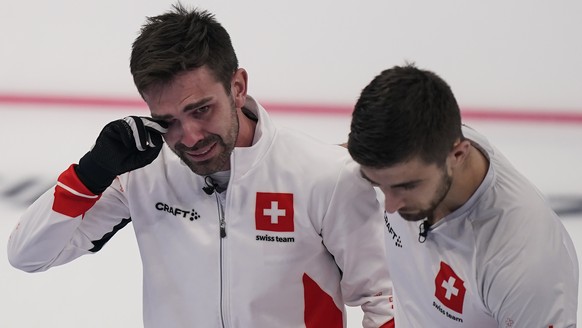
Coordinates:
423	231
209	190
210	186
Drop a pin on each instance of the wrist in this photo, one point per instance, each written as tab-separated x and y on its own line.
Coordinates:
94	176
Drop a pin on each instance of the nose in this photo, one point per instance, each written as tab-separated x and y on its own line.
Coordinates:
191	133
392	201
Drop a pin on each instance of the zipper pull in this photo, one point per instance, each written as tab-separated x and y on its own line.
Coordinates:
222	222
222	229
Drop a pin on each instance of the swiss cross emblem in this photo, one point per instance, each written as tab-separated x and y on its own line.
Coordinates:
450	288
274	212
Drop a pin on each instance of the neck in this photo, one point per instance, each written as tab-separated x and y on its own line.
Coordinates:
246	130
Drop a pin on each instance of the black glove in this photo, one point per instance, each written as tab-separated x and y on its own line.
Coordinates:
123	145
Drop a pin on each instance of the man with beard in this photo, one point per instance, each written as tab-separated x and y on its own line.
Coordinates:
470	241
248	226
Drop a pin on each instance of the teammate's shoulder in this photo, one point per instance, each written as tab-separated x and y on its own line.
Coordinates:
309	145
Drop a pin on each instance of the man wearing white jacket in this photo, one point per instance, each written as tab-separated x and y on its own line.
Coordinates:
239	223
471	242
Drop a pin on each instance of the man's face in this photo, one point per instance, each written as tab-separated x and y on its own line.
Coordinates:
412	188
202	119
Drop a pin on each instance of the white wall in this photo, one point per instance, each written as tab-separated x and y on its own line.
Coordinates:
496	54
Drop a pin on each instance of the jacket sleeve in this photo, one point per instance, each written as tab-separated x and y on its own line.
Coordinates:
531	279
353	231
64	223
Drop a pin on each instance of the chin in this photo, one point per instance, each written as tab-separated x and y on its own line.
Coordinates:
412	216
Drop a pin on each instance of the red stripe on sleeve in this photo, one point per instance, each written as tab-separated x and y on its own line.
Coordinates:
320	309
389	324
67	202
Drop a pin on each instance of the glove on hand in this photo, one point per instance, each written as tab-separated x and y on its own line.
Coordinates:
123	145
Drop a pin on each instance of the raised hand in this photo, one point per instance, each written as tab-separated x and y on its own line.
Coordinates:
122	146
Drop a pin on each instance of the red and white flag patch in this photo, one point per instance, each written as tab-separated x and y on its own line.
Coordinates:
450	288
274	212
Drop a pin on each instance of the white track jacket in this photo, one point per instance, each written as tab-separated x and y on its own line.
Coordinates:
503	259
297	235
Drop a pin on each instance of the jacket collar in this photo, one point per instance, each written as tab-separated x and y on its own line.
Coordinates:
243	159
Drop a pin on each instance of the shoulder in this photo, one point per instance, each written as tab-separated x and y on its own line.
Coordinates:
519	245
304	150
322	165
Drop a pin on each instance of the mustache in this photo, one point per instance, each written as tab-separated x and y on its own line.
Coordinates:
200	144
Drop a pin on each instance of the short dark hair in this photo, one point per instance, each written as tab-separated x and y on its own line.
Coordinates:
405	112
181	40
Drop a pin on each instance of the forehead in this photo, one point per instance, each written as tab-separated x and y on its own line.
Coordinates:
189	85
404	172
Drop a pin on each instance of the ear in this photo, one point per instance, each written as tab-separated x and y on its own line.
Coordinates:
459	153
238	87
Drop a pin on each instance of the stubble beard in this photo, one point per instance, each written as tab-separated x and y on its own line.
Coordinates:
441	193
220	162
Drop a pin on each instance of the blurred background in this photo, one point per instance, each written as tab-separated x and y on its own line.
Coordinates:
514	66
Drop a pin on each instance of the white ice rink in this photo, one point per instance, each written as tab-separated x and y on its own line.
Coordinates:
104	290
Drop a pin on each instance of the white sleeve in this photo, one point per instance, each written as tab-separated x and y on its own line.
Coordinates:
353	231
65	223
533	279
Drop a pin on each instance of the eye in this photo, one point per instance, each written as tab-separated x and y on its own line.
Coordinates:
409	186
202	110
169	122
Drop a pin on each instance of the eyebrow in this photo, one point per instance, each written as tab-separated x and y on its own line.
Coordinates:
405	184
368	179
187	108
398	185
